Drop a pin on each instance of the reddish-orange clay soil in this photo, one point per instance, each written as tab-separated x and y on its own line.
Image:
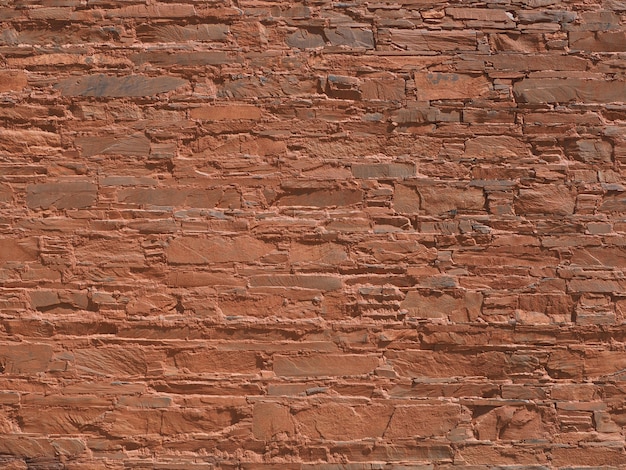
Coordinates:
314	235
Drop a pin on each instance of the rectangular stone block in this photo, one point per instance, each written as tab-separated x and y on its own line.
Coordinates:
325	365
539	62
424	114
598	41
589	150
226	112
486	454
122	423
178	33
406	199
24	358
100	85
12	80
596	20
596	285
383	89
189	250
442	86
34	447
439	364
594	457
461	307
350	37
103	252
18	249
246	88
114	361
545	199
613	203
565	90
213	361
182	59
199	279
483	14
61	195
156	10
336	421
270	420
496	148
28	141
134	145
127	181
170	197
440	41
304	39
438	200
517	42
320	282
54	420
383	170
554	306
323	253
322	198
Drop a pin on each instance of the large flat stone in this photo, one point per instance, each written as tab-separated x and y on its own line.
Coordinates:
447	86
426	40
565	90
101	85
61	195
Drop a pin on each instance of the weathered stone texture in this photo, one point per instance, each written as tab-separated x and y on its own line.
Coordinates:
382	235
101	85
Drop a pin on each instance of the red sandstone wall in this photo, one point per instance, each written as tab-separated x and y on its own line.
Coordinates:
319	236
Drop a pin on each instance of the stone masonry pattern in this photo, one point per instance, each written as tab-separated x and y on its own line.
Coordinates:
317	235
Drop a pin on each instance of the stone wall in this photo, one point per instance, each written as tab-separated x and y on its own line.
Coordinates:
312	236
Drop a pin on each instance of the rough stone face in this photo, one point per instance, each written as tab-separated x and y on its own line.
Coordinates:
496	148
28	141
589	150
13	249
565	90
137	144
557	200
177	33
101	85
440	41
12	80
322	198
598	41
383	89
336	422
382	235
221	113
316	282
324	365
25	359
66	195
383	170
352	37
215	250
438	86
456	306
406	199
271	420
216	361
438	200
304	39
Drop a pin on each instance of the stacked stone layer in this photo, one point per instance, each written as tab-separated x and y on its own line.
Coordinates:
312	236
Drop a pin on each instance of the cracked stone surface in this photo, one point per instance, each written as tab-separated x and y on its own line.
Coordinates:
312	235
